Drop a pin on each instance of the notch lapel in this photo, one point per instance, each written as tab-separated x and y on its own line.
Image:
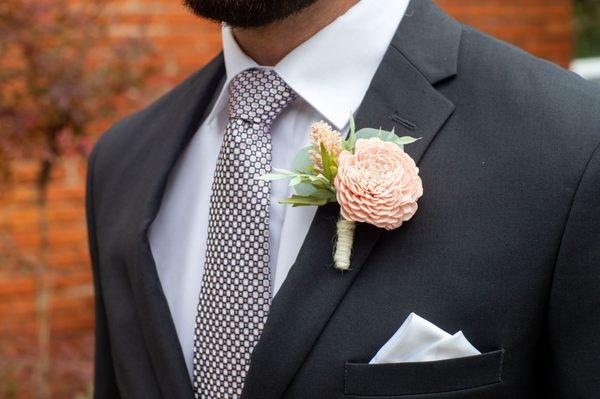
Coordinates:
168	135
402	95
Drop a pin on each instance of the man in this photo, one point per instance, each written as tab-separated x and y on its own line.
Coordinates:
207	287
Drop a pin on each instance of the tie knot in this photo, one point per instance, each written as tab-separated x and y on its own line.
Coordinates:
258	96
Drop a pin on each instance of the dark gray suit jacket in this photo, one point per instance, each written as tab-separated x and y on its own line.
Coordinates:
505	245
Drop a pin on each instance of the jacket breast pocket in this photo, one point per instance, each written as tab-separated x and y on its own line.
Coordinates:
398	379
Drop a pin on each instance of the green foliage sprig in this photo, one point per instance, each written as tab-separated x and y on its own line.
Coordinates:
314	187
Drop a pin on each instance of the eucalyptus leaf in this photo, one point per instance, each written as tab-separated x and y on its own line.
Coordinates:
302	161
284	172
312	170
274	176
406	140
314	195
302	200
384	135
305	189
325	194
368	133
295	181
305	184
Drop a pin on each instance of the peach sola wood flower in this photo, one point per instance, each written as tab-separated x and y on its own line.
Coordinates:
369	175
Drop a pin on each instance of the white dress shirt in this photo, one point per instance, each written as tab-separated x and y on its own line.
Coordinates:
331	73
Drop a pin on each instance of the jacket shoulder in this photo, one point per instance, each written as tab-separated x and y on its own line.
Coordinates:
522	89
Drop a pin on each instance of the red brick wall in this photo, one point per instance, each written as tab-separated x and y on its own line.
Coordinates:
185	43
542	27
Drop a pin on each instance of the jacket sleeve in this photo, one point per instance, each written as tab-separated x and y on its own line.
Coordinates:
105	384
574	307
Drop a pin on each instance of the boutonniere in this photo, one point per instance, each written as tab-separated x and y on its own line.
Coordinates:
368	174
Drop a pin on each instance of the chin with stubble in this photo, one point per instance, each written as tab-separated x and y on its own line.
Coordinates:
247	13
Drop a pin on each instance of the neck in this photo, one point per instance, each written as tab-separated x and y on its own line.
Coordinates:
268	44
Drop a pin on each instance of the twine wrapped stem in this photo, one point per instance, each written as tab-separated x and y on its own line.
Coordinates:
343	247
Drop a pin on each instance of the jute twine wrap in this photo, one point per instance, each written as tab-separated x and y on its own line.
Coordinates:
343	247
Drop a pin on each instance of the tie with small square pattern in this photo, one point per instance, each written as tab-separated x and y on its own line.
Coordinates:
236	285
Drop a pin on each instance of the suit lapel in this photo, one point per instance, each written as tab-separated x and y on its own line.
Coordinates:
402	95
167	136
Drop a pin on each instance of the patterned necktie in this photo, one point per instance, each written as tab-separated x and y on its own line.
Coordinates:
236	287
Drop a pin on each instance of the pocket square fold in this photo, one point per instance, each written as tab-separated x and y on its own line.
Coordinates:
418	340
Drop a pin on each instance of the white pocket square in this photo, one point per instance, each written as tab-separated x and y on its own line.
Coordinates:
418	340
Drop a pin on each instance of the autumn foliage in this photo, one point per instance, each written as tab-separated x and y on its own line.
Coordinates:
60	74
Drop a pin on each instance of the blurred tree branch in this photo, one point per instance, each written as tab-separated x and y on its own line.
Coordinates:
60	72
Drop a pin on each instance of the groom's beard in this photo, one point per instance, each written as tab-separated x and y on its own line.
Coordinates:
247	13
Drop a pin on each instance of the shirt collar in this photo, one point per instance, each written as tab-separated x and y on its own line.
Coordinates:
333	69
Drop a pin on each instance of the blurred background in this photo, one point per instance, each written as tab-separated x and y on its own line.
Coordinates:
68	70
